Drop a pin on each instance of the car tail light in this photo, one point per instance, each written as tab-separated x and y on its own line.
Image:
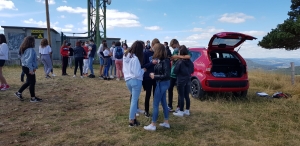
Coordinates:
208	69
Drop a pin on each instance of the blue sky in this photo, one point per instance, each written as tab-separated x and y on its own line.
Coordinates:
192	22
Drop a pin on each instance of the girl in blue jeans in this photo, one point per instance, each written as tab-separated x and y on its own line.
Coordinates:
161	74
107	58
133	75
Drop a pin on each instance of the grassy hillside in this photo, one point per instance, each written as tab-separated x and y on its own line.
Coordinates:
95	112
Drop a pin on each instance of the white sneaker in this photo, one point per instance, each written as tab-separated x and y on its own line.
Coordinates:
118	79
166	125
53	75
177	110
81	77
111	76
186	112
137	114
179	114
74	76
150	127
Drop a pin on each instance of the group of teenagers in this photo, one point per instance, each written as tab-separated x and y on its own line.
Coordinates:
110	59
151	67
155	68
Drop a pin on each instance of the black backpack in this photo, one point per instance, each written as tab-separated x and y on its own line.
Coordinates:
119	53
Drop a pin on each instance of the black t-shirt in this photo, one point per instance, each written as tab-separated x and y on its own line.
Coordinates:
71	51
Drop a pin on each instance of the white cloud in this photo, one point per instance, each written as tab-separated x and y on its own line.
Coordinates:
64	1
250	49
1	29
50	2
71	10
254	33
62	16
190	43
201	36
167	38
165	14
153	28
197	29
7	4
204	33
9	15
114	18
234	17
68	28
115	14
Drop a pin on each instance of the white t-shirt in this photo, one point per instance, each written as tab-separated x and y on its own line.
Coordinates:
112	49
3	51
45	50
106	52
100	49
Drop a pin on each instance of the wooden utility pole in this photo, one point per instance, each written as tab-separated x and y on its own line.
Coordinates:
48	22
293	73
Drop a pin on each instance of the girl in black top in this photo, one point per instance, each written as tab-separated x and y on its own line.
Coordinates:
183	69
161	74
79	54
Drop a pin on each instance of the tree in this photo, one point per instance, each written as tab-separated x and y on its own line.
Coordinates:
287	34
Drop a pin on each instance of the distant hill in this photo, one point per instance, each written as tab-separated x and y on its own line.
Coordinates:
279	65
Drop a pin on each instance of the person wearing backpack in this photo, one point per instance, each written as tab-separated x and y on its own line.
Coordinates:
118	55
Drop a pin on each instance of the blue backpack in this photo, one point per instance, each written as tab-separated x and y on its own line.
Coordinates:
119	53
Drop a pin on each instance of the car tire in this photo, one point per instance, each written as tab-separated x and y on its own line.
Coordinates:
196	90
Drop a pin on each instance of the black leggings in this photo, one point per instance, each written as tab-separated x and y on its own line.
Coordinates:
170	92
148	84
78	61
183	93
30	81
64	64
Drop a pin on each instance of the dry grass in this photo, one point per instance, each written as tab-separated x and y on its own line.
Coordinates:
95	112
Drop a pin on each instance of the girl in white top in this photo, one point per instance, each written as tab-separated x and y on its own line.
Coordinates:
107	60
3	58
133	74
45	52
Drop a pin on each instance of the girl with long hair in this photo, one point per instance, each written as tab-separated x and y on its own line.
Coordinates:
3	58
29	66
148	83
161	75
45	52
133	74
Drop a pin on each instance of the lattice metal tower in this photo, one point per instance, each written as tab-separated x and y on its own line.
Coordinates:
96	11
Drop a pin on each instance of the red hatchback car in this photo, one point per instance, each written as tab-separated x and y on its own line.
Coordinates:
219	68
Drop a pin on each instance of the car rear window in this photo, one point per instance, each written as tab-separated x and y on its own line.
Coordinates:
195	55
228	42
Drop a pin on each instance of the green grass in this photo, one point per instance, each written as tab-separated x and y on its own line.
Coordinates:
95	112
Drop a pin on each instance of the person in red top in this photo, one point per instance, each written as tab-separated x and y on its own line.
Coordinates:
86	58
64	52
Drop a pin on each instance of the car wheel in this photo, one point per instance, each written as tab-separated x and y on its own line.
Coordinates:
196	90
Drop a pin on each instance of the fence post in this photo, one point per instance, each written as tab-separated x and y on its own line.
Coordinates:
293	73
